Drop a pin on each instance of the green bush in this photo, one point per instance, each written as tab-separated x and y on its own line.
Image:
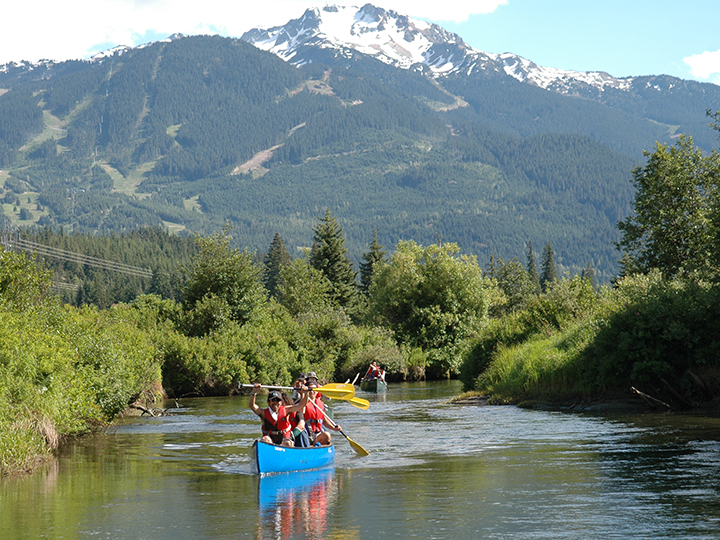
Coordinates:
659	329
566	302
542	367
64	371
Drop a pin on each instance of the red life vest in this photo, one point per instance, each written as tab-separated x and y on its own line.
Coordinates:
372	373
314	416
295	419
281	427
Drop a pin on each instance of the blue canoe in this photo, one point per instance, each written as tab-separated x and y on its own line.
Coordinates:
270	458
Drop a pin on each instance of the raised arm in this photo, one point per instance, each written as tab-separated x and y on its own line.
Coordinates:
257	410
299	406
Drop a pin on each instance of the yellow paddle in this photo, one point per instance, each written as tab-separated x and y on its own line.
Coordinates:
342	391
359	450
360	403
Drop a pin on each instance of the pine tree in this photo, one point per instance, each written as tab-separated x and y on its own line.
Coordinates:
492	270
549	272
371	258
532	269
275	259
589	274
329	256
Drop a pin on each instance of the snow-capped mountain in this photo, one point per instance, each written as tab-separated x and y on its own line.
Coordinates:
409	43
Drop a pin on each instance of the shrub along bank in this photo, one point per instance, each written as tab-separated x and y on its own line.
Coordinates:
63	370
660	336
66	370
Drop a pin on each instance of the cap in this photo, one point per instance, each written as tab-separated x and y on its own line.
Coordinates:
312	375
274	395
301	376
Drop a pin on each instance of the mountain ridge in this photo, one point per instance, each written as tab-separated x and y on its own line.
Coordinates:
193	132
404	42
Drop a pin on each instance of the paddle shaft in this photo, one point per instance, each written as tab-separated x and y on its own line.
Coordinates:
354	445
331	390
268	387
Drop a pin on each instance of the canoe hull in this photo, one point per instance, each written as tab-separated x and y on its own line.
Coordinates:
375	385
270	458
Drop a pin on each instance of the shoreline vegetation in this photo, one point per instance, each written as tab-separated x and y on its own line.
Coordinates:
511	334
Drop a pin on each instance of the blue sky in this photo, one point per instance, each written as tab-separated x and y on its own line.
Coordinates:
621	37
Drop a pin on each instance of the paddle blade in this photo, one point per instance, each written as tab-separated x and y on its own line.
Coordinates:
360	403
359	450
338	391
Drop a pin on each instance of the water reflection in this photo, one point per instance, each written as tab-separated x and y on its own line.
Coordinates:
296	505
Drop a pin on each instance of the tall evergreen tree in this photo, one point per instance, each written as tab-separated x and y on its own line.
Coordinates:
329	256
532	269
277	256
371	258
589	274
549	272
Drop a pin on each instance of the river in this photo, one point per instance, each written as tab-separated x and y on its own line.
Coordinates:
435	471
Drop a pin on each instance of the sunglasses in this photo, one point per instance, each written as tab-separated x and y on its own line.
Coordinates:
271	400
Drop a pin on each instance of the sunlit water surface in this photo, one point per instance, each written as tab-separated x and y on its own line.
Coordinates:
435	470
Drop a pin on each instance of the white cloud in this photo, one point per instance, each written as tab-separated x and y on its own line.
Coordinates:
76	28
705	65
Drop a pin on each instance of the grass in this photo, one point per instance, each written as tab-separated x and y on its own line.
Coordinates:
192	204
127	184
12	211
541	368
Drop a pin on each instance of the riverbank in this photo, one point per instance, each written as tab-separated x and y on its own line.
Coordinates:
609	403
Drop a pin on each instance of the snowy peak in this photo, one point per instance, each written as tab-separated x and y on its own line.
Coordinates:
405	42
391	38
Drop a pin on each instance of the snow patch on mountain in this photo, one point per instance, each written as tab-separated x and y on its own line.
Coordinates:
546	77
405	42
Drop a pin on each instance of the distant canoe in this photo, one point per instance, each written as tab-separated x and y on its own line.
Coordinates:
374	385
271	458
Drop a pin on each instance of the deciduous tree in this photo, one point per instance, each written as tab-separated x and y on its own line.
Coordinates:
431	298
221	273
675	210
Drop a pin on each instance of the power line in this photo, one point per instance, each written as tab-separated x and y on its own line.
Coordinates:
49	251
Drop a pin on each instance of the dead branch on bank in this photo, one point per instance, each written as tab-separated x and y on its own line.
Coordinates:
653	402
151	411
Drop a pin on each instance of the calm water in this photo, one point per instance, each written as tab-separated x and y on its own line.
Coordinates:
434	471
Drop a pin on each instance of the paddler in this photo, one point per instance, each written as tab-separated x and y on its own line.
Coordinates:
276	425
315	418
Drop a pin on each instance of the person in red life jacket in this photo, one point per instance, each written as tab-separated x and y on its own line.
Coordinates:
297	424
373	372
315	419
276	426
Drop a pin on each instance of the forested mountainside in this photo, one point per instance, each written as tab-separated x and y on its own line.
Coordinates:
197	131
105	269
